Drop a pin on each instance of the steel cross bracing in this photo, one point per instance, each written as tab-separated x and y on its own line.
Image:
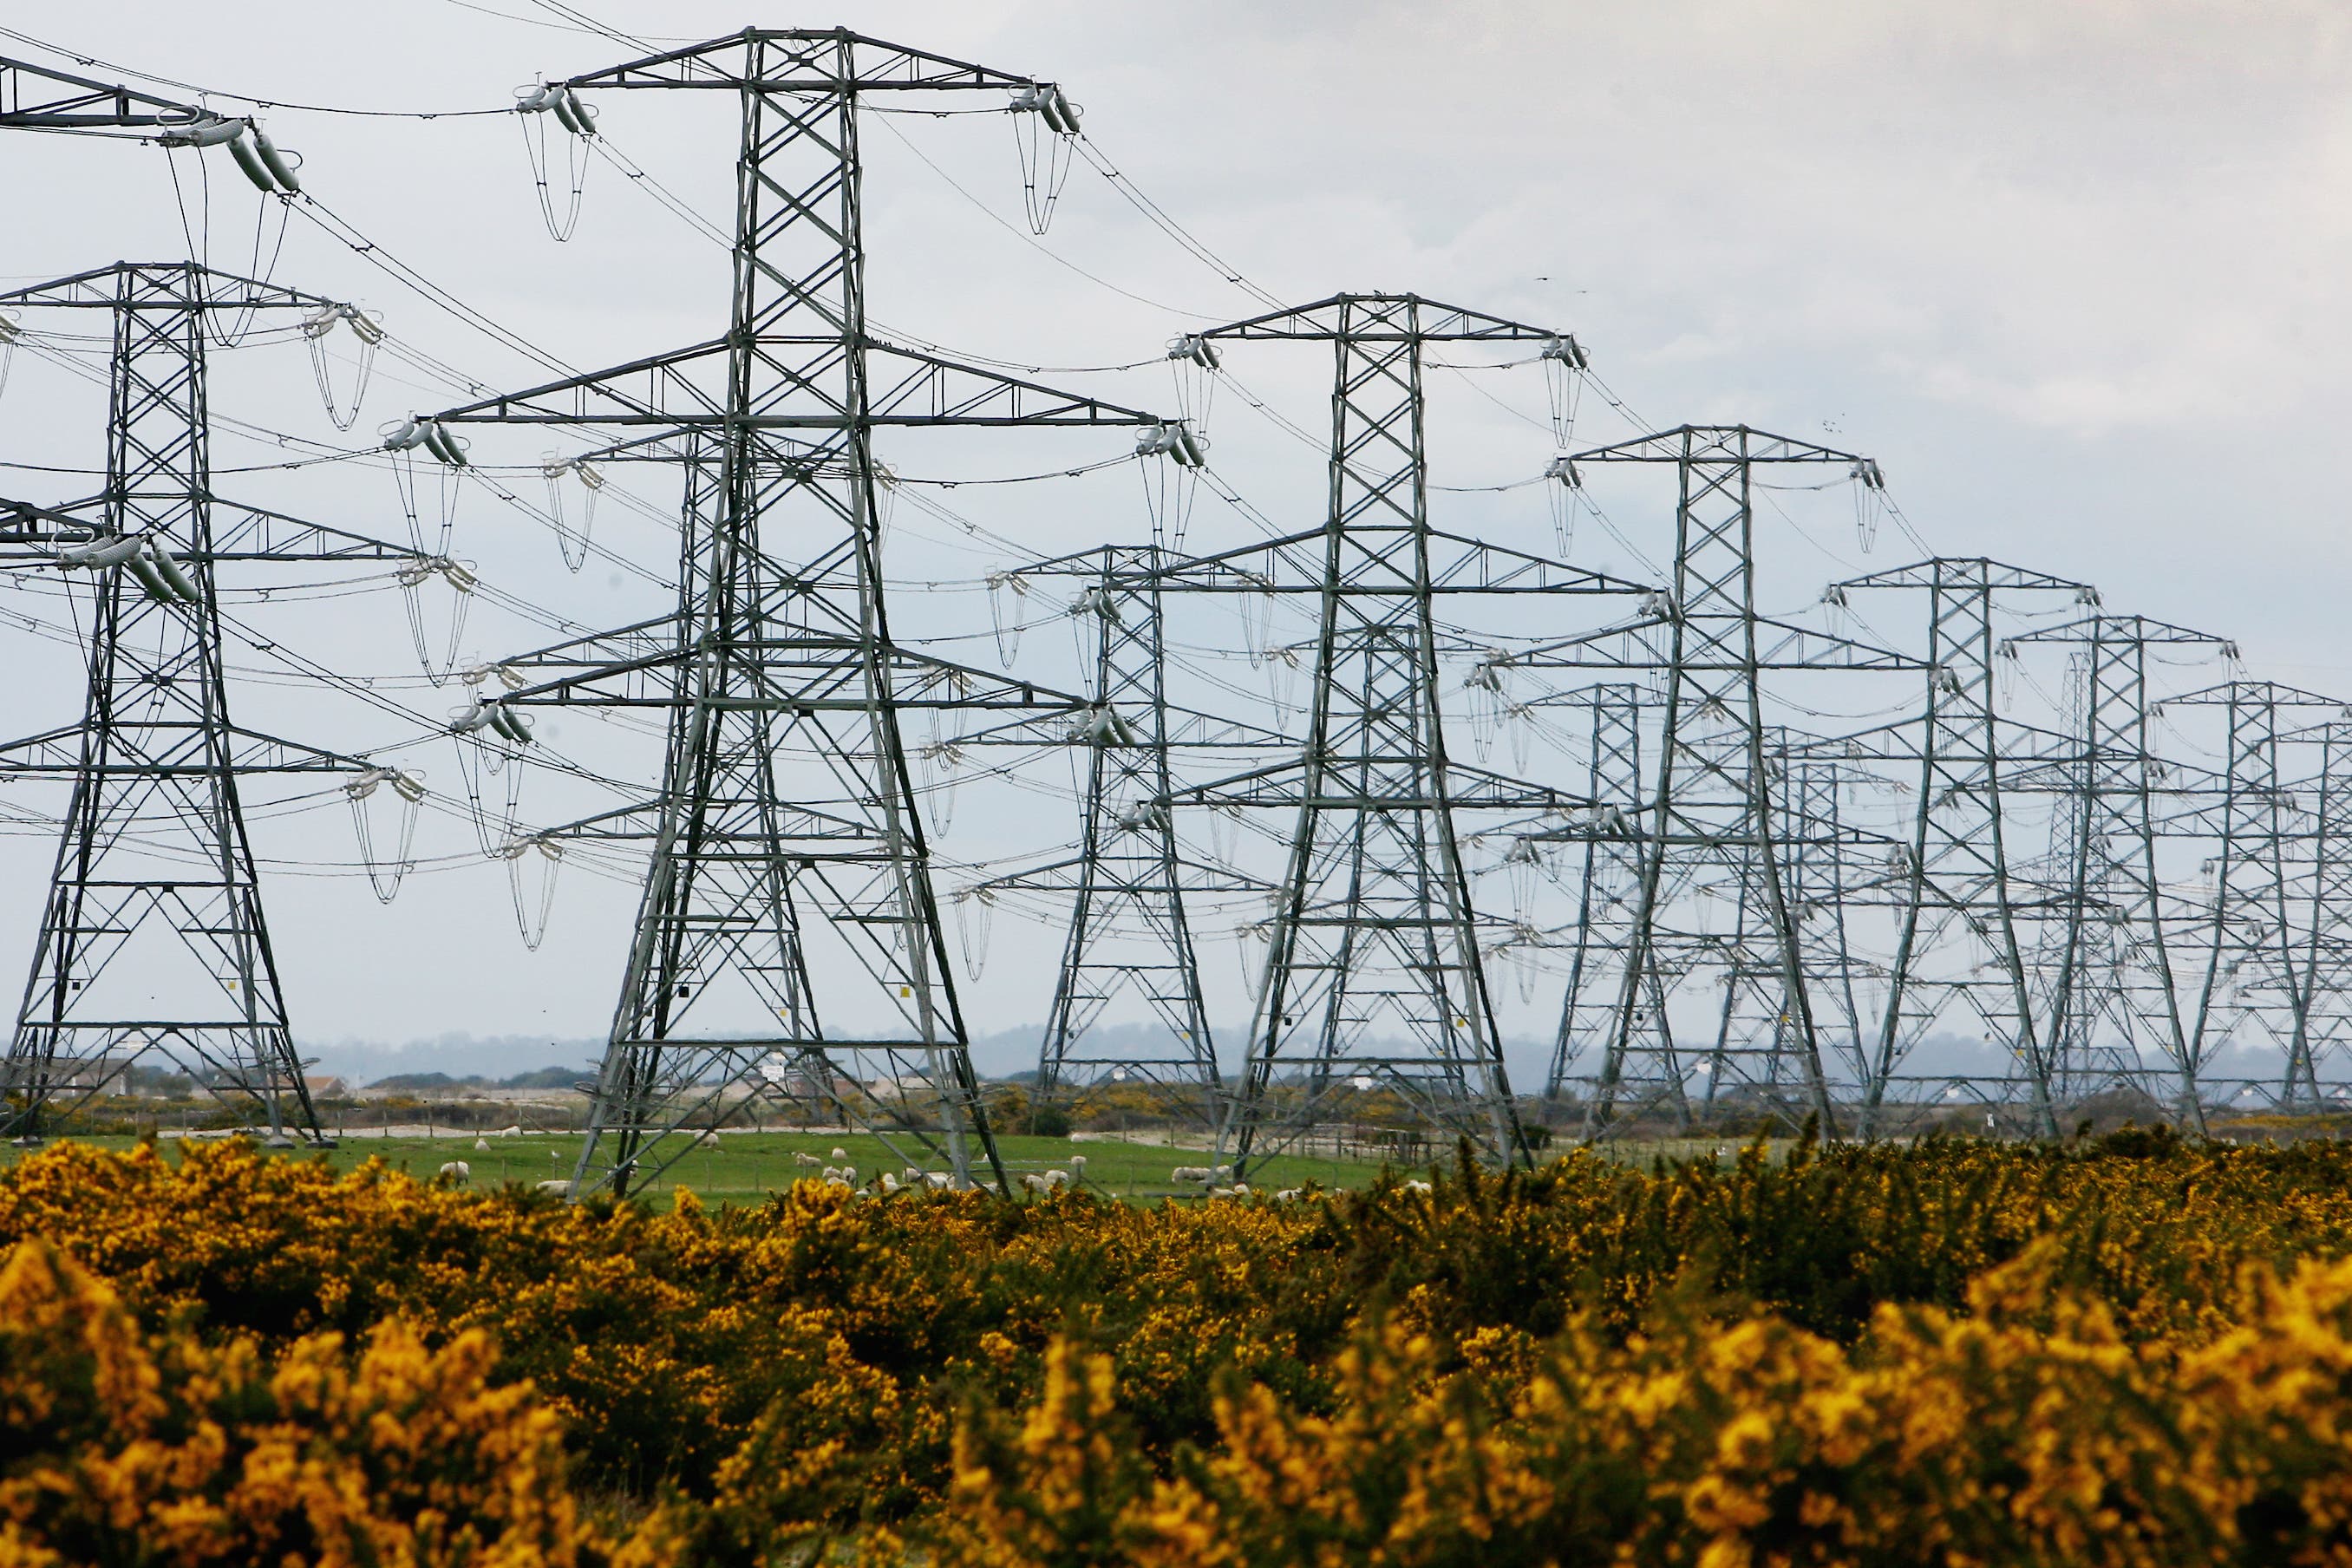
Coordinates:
1609	875
153	941
1374	976
1824	868
2110	955
788	942
2321	896
1827	878
1711	818
1957	942
35	98
2250	967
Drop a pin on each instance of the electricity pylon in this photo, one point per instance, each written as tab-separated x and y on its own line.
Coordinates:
2112	954
1711	821
1129	937
2321	897
1374	976
2247	933
154	939
1956	898
789	933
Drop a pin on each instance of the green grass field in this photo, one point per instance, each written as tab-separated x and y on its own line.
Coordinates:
746	1167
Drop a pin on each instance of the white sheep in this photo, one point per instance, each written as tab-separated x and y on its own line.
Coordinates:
1191	1173
939	1181
1221	1192
841	1153
1035	1183
837	1182
1417	1185
1288	1195
889	1183
831	1173
849	1174
1241	1188
709	1138
1079	1164
803	1157
912	1176
481	1145
560	1189
457	1171
515	1131
1223	1172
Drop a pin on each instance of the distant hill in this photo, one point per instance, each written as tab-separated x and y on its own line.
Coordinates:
541	1078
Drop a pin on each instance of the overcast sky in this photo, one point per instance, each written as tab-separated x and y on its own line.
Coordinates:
2070	270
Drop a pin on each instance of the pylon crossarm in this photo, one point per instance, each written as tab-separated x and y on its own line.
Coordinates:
246	533
1367	318
60	752
39	529
1978	573
39	97
1188	728
241	535
198	288
654	389
1796	646
1715	444
657	390
803	60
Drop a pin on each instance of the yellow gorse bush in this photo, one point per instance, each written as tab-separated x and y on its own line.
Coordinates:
2131	1352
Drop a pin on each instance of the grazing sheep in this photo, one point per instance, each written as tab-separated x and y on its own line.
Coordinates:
939	1180
1288	1195
1223	1172
1241	1188
511	1132
912	1176
1191	1173
837	1182
1221	1192
1417	1185
457	1171
481	1145
1035	1183
560	1189
803	1157
841	1153
831	1173
889	1183
709	1138
1079	1164
849	1174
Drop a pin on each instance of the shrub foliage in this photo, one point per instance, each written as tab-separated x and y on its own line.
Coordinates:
2134	1350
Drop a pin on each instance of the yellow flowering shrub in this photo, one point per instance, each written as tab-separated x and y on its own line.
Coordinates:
2130	1351
116	1448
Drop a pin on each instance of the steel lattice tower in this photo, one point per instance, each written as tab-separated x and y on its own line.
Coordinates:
2249	967
2320	894
154	939
2112	953
1712	818
1956	904
1129	936
1374	974
788	932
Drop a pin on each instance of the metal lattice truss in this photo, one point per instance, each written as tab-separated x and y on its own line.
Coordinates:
1375	977
152	946
789	944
